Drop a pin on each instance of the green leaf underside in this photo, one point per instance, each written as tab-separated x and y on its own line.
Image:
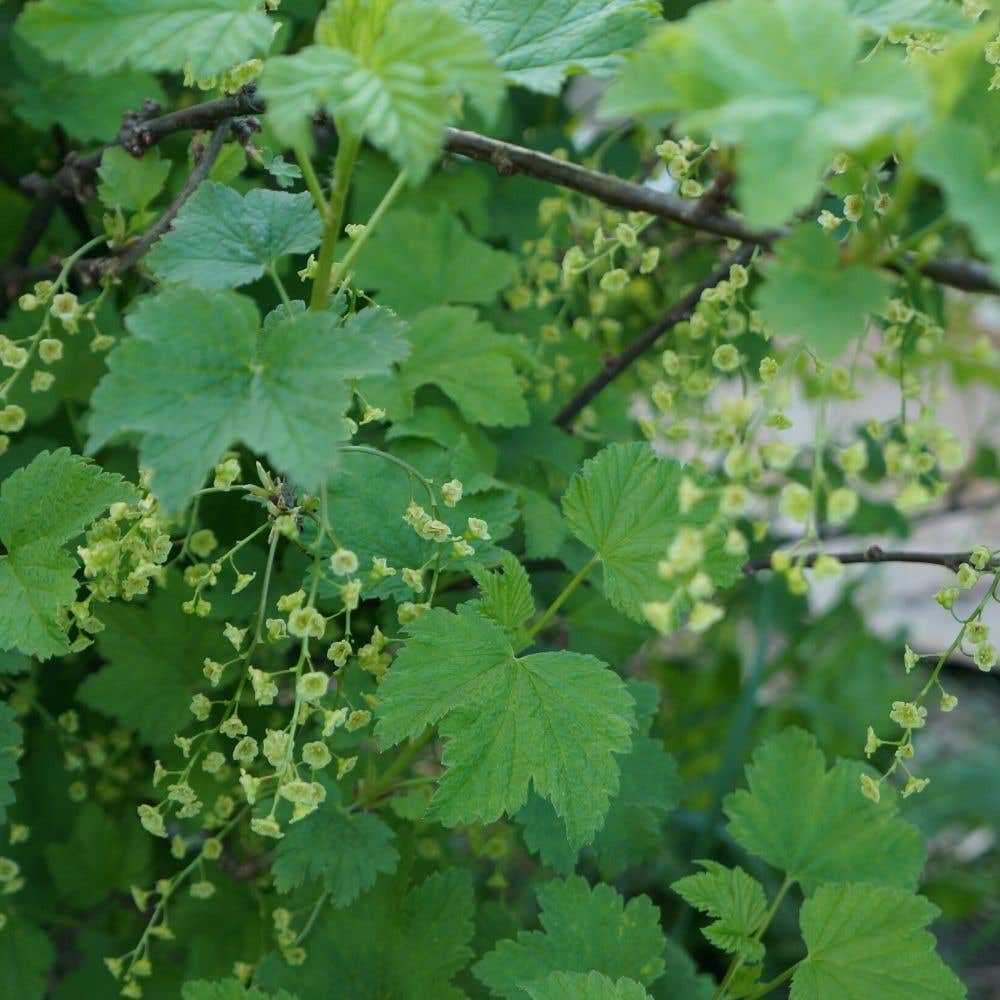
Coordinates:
394	943
914	15
154	653
809	294
196	376
411	259
815	825
222	239
346	851
779	79
399	95
864	942
737	902
554	720
584	929
42	506
624	505
538	45
582	986
99	36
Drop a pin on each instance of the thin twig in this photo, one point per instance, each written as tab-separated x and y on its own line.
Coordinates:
874	554
677	313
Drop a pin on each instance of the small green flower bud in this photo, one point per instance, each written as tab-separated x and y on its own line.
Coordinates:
869	788
203	543
350	594
966	577
796	502
358	719
307	622
152	820
234	635
245	751
478	528
339	652
276	743
768	370
264	826
908	715
12	418
200	707
451	492
841	505
726	358
316	755
614	281
312	686
381	568
872	743
213	762
985	656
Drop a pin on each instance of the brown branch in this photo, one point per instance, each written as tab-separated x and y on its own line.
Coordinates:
508	158
875	554
678	312
130	254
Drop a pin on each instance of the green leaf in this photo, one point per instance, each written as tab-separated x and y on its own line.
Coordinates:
582	986
396	92
737	902
810	294
781	81
814	824
128	182
26	956
42	506
505	594
367	498
87	107
556	720
99	36
682	980
911	15
282	393
449	342
228	989
347	851
101	855
222	239
584	929
538	45
869	942
624	505
632	833
958	156
154	653
394	943
11	740
417	261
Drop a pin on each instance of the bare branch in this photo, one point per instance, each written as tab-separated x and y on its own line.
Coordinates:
677	313
875	554
508	158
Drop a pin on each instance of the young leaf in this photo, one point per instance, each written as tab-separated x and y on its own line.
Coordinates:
11	740
396	92
221	239
584	929
960	158
412	257
809	294
538	46
505	594
866	941
624	504
129	183
155	654
582	986
556	720
814	824
737	902
42	506
98	36
781	81
283	393
395	942
347	851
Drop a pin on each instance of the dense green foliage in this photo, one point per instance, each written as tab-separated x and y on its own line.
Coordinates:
418	576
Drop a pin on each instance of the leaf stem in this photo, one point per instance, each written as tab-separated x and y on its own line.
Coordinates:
343	168
312	181
563	596
380	786
344	267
